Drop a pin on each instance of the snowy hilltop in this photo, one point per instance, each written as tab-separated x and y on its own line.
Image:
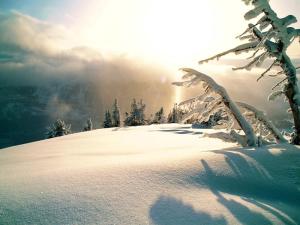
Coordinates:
156	174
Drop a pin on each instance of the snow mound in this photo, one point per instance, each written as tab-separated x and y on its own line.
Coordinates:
158	175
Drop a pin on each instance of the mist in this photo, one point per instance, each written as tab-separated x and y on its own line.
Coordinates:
44	75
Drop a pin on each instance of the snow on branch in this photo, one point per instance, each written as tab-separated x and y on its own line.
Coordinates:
237	50
263	126
273	41
252	121
275	95
255	62
219	102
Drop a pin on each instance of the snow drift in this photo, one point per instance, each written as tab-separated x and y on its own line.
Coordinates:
158	174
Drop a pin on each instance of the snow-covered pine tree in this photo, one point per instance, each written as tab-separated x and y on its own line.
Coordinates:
127	120
215	97
269	38
176	114
58	128
115	114
141	112
172	117
215	105
159	117
88	126
136	116
262	126
130	118
107	123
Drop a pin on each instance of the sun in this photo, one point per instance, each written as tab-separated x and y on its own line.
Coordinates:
175	31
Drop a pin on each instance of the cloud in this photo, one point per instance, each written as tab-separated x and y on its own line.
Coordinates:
34	52
22	34
44	71
51	79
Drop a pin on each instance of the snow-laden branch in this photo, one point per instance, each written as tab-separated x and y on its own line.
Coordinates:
237	50
279	26
275	95
193	77
255	62
261	117
270	37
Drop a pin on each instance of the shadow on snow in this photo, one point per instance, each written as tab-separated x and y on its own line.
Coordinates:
259	177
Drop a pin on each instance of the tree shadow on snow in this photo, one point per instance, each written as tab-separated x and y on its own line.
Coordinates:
253	179
181	130
262	167
170	211
240	211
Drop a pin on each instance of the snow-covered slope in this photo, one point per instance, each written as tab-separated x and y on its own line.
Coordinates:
159	174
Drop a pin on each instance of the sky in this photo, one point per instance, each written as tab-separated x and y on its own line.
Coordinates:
171	33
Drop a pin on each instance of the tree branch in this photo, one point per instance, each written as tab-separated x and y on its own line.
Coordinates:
239	49
264	73
279	83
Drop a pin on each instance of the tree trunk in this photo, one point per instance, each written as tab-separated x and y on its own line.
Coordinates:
290	92
243	123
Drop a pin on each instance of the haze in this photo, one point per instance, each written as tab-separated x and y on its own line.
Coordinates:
71	58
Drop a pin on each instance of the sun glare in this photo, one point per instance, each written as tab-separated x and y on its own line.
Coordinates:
173	34
170	32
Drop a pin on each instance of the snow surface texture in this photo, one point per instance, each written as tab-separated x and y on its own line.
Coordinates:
159	174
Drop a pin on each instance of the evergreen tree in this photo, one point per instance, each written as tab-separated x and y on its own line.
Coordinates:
127	121
89	125
115	114
175	115
159	116
59	128
136	116
107	120
141	113
269	38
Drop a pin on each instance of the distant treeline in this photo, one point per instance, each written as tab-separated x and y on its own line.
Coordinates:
113	118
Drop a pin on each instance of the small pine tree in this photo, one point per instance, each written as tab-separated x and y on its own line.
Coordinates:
136	116
141	113
127	120
175	115
107	120
159	116
59	128
115	114
89	125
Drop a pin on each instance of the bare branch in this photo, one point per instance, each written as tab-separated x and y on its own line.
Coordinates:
264	73
254	54
256	60
247	66
250	26
279	83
